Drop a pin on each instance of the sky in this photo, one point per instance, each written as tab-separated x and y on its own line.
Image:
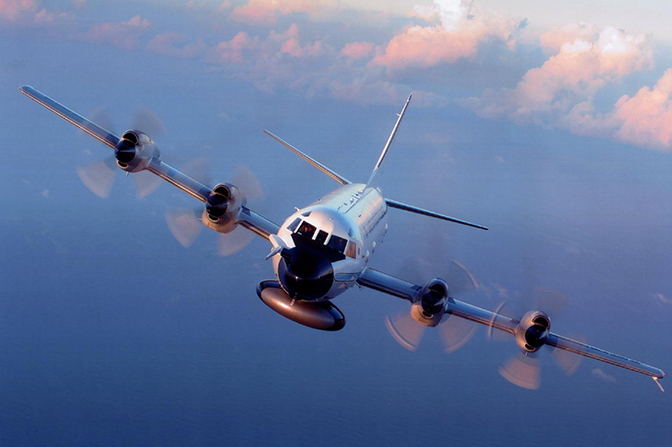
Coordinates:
549	122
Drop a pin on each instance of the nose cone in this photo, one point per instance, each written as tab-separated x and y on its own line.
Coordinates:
305	273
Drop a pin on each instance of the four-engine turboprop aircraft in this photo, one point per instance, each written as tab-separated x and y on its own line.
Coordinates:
324	249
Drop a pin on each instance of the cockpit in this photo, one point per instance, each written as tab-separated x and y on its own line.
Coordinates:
337	247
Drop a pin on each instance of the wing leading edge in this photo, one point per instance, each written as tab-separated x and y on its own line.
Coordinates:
400	288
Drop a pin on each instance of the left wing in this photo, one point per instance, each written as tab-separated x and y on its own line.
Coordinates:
400	288
247	218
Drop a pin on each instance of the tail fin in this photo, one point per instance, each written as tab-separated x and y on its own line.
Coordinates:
381	159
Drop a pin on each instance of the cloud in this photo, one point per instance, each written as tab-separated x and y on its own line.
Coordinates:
233	51
289	43
174	44
553	40
646	118
244	49
13	9
561	93
266	12
358	50
604	376
28	12
281	58
456	36
123	35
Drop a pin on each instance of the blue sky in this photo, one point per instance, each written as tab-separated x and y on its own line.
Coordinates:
551	125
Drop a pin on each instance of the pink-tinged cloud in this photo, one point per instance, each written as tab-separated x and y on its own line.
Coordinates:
266	12
175	45
457	36
358	50
646	118
233	51
289	43
123	35
28	12
561	92
545	95
13	9
279	59
254	13
553	40
266	54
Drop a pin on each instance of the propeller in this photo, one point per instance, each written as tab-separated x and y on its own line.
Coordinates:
100	175
523	369
185	224
455	332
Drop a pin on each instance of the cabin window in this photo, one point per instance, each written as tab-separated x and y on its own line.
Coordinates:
306	230
321	236
352	250
291	227
337	243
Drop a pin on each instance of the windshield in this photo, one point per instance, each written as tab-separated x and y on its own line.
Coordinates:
337	243
306	230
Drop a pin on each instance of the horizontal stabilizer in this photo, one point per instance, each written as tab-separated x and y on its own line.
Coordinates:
414	209
339	178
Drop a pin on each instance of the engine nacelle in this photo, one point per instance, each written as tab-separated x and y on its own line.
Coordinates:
223	208
532	330
318	315
135	150
430	304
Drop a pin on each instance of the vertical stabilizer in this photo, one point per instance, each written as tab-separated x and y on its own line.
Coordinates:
381	159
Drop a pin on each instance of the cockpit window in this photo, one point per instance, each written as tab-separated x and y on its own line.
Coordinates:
306	230
321	236
337	243
294	224
352	250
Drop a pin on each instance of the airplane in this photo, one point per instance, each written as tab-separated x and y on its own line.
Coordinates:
324	249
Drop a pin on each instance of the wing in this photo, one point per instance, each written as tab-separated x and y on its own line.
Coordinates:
74	118
424	212
330	172
247	218
400	288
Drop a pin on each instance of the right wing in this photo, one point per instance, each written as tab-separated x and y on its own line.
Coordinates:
400	288
248	218
424	212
